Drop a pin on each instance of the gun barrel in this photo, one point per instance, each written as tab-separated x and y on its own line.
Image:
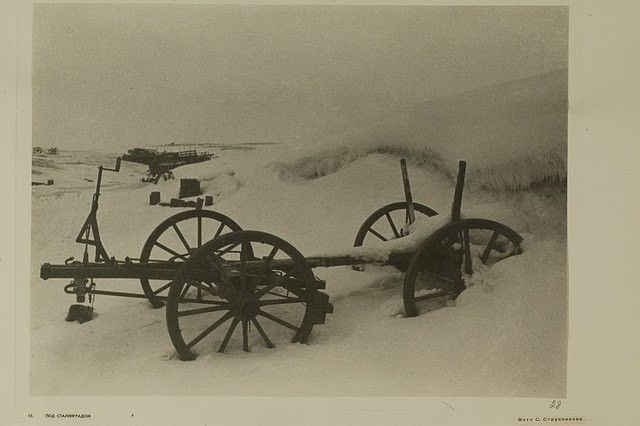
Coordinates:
160	271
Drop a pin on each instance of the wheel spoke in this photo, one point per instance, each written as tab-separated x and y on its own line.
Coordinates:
269	258
245	335
185	290
278	283
468	268
265	290
227	250
219	231
209	329
199	230
277	320
164	287
168	250
489	248
393	225
181	236
231	251
265	267
227	336
262	333
203	310
377	234
288	300
209	290
210	285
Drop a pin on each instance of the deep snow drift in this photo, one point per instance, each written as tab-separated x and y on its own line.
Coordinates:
504	336
512	134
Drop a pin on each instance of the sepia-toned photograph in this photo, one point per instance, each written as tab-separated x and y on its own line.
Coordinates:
299	200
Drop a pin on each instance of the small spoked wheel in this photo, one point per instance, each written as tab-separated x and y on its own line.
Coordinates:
452	254
249	279
175	239
387	222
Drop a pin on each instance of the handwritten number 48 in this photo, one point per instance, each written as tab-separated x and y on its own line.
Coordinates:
556	403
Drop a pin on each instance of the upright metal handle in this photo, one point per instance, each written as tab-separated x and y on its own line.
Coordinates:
411	214
91	223
116	168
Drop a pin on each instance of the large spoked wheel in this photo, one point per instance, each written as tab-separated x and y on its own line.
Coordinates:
386	223
249	278
175	239
453	253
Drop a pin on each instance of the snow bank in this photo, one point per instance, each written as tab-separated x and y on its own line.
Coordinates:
511	134
504	336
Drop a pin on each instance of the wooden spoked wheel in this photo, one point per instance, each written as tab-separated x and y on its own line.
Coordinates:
387	223
175	239
257	281
450	254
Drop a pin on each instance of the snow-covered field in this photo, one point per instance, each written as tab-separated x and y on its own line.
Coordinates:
506	337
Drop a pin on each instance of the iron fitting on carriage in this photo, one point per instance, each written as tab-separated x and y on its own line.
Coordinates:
79	287
323	307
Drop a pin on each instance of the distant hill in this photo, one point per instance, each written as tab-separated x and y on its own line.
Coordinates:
512	134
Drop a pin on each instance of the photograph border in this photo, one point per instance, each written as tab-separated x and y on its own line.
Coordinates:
602	328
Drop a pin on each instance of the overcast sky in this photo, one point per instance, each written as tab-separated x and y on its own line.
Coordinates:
116	76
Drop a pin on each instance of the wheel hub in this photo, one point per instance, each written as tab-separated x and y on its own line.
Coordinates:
246	308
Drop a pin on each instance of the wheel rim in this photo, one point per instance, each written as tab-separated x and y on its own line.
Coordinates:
452	254
265	287
386	223
175	239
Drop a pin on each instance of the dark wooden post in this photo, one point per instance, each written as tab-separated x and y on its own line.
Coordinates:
411	214
154	198
457	195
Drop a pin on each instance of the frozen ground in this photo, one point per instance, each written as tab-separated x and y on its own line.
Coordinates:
503	339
